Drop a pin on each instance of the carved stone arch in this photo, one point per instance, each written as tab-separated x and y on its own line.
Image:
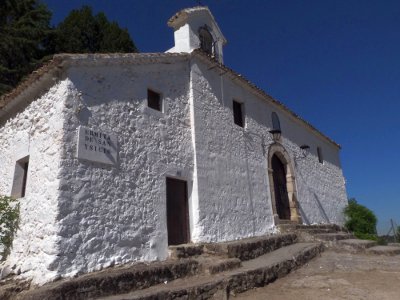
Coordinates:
278	151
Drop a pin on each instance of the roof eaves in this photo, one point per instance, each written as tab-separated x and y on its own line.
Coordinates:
261	92
42	78
29	81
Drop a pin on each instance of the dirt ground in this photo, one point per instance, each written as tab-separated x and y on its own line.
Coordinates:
336	276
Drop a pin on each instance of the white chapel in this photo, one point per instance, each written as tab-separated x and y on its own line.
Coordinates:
116	157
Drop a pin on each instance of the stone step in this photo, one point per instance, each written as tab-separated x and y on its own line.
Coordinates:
114	280
253	273
212	265
332	227
394	244
330	240
337	236
312	229
384	250
185	250
251	248
318	230
186	262
355	245
288	222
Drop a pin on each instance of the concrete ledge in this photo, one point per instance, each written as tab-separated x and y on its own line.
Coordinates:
333	236
113	281
251	248
186	250
254	273
214	265
384	250
355	245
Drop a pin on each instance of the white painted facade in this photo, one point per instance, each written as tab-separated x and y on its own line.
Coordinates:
79	216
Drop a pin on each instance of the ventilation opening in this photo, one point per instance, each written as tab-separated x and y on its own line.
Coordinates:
320	157
20	178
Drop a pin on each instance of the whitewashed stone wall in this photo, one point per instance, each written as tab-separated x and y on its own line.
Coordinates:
117	214
80	216
37	132
231	172
232	166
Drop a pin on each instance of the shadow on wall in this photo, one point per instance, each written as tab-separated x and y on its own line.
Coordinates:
321	208
303	214
310	192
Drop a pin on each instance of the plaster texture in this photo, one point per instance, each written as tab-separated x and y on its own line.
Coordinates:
80	216
35	132
232	166
117	214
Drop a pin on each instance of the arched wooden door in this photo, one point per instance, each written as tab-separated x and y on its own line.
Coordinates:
280	188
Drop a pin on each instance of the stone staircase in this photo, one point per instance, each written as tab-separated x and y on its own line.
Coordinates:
200	271
328	234
209	271
367	247
337	238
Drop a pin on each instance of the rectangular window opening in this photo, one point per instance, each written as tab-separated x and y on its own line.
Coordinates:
238	116
320	157
20	178
154	100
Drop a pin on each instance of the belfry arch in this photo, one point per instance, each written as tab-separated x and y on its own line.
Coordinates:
282	185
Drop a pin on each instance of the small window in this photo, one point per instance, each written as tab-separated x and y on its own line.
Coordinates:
238	116
320	157
206	40
20	178
154	100
276	124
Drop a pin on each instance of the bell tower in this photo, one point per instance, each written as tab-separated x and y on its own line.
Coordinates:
195	28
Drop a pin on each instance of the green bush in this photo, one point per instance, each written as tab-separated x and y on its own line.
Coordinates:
9	217
360	220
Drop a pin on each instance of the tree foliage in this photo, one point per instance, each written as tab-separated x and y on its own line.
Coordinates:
27	38
9	217
83	32
360	220
24	29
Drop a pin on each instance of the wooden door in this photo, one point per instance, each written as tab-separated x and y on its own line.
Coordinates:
177	212
280	189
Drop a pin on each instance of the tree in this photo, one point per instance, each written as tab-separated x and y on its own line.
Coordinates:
82	32
27	39
360	220
24	29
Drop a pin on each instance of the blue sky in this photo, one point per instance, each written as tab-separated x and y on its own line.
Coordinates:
334	62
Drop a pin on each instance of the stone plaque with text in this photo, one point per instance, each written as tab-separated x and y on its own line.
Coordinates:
97	145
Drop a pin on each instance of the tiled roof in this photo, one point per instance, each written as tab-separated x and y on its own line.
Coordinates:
185	11
57	63
60	60
261	92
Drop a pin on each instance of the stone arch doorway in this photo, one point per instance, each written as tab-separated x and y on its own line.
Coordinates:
280	188
282	185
